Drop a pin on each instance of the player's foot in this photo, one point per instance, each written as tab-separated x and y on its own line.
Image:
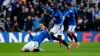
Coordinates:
77	45
69	48
60	43
72	43
41	50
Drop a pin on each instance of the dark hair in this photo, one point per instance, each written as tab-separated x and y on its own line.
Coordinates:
69	4
53	4
43	23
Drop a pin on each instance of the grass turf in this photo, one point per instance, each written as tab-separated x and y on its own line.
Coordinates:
51	49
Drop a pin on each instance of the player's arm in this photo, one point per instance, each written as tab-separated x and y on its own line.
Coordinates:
66	13
48	8
48	35
60	15
29	32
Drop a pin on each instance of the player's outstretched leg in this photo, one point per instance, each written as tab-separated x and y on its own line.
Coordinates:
60	40
56	38
71	37
63	42
66	44
53	37
75	38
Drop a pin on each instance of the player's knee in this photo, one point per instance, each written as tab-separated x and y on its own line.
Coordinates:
60	36
51	33
68	33
31	49
23	50
73	34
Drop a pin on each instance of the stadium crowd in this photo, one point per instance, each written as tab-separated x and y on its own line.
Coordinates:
24	16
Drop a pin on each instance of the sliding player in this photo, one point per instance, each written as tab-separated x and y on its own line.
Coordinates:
33	45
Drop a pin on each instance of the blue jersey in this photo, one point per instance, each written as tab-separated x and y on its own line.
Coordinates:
57	15
71	16
40	36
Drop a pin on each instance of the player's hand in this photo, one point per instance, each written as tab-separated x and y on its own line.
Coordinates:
29	32
46	28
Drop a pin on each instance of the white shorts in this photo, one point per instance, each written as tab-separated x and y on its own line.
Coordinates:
57	30
71	28
63	36
33	44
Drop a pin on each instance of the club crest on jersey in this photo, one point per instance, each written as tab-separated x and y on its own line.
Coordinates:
38	33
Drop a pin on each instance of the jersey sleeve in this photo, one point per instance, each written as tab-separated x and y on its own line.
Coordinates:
48	35
60	13
31	36
67	13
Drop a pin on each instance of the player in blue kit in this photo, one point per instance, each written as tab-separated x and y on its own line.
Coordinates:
57	31
33	45
69	12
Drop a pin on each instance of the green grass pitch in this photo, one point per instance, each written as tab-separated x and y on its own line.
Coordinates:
51	49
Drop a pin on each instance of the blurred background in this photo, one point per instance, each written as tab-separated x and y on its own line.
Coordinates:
24	15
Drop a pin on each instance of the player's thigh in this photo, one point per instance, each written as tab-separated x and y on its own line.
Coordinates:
34	45
71	28
62	36
62	28
57	34
27	46
54	29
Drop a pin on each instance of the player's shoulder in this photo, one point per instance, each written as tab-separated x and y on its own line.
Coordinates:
44	32
71	9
